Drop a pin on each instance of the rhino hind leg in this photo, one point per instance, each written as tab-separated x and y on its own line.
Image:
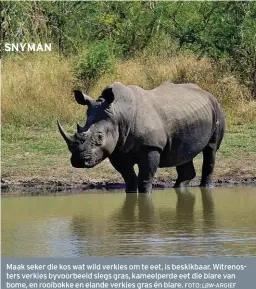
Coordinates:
209	152
186	173
209	155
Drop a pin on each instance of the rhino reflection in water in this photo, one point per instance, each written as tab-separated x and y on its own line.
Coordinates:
139	226
163	127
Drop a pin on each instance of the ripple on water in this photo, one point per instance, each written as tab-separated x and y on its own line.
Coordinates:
220	222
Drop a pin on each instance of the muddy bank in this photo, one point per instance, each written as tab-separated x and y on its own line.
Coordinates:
37	186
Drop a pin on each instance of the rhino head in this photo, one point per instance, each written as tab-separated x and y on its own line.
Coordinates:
97	139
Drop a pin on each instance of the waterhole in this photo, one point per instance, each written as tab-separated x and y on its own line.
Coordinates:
190	222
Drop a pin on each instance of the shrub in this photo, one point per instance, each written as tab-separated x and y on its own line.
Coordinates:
98	60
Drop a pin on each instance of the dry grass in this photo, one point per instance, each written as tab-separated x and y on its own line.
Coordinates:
148	72
37	89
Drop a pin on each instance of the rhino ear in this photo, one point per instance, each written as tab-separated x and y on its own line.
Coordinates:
108	95
82	98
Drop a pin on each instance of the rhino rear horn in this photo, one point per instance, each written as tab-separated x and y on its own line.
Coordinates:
82	99
69	140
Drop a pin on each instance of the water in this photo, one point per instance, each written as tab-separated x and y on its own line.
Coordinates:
218	222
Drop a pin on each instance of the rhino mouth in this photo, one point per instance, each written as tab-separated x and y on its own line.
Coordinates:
79	161
89	163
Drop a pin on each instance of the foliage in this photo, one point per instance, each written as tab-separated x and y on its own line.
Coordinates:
98	60
223	31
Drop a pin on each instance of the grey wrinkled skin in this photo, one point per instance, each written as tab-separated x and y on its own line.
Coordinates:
164	127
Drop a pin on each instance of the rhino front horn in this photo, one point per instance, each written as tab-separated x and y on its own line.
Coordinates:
79	128
66	137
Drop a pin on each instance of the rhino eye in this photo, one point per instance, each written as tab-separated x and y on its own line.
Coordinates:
99	139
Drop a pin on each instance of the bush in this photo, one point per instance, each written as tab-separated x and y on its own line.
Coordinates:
98	60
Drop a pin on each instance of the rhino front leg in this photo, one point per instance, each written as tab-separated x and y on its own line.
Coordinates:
124	165
186	172
148	163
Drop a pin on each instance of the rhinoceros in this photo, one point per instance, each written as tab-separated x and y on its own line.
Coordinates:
164	127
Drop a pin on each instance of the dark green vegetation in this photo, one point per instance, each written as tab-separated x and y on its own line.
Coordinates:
222	31
211	44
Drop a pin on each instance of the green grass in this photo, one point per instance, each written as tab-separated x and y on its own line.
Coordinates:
240	139
29	153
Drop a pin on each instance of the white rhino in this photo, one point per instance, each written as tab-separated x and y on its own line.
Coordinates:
164	127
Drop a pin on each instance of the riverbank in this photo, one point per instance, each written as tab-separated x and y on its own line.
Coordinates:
48	187
37	160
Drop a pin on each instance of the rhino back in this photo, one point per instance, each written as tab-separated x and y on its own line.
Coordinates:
179	119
